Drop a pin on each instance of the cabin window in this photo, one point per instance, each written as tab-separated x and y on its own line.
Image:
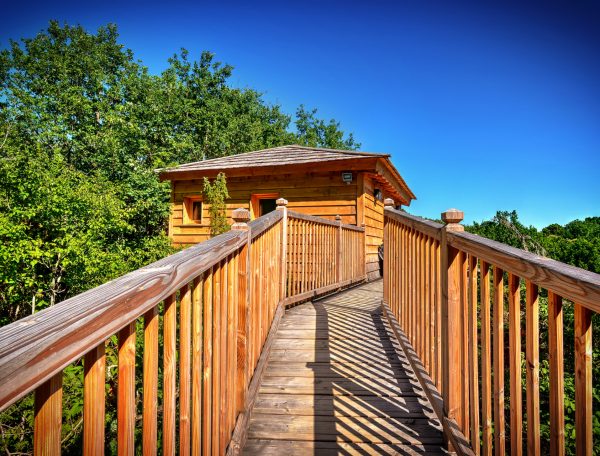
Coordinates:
192	211
267	205
262	203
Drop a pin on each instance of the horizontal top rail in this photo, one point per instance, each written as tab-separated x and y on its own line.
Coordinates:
34	348
427	227
262	224
570	282
323	221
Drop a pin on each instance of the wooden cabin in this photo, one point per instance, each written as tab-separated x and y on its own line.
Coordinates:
315	181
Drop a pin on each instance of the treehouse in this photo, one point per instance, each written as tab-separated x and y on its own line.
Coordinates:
268	340
319	182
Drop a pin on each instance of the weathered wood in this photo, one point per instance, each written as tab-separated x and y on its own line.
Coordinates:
473	375
514	335
267	447
568	281
556	355
431	229
498	357
239	436
150	410
169	374
207	375
451	430
197	365
452	318
126	392
48	417
94	400
185	340
486	362
77	325
533	369
358	391
583	381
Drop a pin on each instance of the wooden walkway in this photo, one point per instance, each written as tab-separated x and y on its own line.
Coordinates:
337	382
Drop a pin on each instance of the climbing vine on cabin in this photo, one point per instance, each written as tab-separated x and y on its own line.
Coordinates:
215	194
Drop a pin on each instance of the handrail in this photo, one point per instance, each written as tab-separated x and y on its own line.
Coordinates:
449	291
570	282
220	302
76	325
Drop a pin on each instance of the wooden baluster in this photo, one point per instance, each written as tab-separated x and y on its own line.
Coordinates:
224	396
208	325
169	374
94	400
231	344
473	354
197	309
557	388
486	362
514	335
126	391
216	376
583	381
185	336
464	311
150	410
338	260
427	305
438	286
451	321
47	424
498	322
533	369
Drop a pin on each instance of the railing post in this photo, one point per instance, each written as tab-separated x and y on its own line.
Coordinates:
241	217
452	348
338	272
282	206
388	203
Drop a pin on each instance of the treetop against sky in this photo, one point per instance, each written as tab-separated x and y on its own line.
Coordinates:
483	107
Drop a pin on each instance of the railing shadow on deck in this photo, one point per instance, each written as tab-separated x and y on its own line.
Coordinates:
369	383
217	303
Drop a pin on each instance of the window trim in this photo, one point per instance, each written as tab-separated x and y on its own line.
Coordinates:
255	202
188	207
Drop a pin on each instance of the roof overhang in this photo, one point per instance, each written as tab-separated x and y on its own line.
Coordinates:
379	167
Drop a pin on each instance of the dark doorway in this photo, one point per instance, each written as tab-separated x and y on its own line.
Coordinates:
267	205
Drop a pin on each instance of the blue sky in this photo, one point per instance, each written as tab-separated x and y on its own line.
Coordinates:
484	106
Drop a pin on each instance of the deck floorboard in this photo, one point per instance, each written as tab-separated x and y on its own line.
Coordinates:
337	382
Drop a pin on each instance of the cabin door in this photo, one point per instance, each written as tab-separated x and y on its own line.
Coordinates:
262	204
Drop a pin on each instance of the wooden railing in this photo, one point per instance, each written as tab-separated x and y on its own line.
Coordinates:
323	255
452	294
206	314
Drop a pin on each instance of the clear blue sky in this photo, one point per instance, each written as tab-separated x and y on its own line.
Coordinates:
483	107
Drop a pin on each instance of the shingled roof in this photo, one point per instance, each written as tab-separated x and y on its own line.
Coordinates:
274	159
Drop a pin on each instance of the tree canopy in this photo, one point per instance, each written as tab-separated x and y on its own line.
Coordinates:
83	126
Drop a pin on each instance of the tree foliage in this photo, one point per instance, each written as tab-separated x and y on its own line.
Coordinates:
83	127
577	243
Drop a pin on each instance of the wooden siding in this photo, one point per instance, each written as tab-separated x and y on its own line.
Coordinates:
320	194
373	215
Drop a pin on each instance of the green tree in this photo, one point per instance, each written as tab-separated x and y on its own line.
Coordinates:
216	194
315	132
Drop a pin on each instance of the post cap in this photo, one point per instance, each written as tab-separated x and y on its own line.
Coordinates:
281	202
453	216
388	202
241	215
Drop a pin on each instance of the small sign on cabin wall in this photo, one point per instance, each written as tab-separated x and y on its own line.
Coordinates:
347	178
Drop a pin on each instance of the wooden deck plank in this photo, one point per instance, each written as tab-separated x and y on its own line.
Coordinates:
337	382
